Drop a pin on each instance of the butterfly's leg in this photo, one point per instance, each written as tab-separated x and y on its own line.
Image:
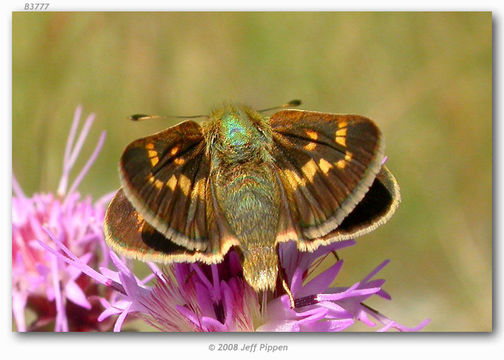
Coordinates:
289	293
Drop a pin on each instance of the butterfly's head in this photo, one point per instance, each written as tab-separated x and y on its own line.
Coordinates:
237	133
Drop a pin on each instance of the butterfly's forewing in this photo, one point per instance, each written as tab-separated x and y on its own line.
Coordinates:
165	177
326	163
127	232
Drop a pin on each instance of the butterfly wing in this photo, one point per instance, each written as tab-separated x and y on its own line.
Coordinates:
375	209
377	206
127	233
326	164
165	177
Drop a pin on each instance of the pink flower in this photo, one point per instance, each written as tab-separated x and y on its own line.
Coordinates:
319	307
198	297
56	292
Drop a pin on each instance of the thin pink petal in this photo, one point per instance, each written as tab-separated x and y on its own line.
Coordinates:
71	135
89	163
75	294
375	271
120	320
80	141
322	281
18	191
61	320
108	312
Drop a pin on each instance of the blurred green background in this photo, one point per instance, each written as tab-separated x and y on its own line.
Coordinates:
425	78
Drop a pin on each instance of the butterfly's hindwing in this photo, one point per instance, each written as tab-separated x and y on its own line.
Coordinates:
127	232
327	163
165	177
375	209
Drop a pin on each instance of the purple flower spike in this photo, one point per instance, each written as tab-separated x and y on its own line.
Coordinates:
59	294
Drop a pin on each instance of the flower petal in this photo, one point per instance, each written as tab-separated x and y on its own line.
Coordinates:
75	294
321	282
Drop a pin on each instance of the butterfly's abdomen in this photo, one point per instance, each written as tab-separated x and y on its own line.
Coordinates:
249	198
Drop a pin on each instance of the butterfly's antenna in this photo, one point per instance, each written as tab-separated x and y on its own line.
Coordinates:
141	117
291	103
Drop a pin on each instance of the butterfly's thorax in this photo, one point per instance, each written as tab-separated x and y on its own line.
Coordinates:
246	189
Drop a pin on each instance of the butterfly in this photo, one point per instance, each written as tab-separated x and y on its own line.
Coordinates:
247	181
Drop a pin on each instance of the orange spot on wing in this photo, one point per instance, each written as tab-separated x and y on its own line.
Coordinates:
158	184
348	156
325	166
310	169
172	183
340	164
310	146
340	136
185	184
312	134
179	161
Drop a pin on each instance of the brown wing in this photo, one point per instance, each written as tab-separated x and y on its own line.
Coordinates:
375	209
127	233
326	164
165	177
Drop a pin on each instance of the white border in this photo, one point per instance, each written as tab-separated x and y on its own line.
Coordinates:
176	346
